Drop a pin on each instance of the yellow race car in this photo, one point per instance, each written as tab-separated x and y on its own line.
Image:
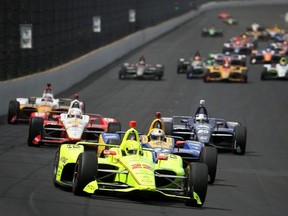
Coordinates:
128	168
226	72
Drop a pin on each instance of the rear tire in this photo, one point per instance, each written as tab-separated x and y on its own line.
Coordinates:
35	129
209	156
168	126
114	127
85	171
197	182
13	111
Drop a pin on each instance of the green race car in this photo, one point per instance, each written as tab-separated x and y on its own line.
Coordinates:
89	167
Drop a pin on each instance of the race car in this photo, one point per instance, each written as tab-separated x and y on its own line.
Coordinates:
273	31
189	150
230	21
128	168
22	109
212	32
277	71
193	67
224	15
226	72
216	132
52	128
280	47
258	32
141	71
239	45
265	56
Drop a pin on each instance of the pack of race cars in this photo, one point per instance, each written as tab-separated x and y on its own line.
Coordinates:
95	156
177	157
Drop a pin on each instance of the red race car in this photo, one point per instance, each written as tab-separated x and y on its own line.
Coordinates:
224	15
71	127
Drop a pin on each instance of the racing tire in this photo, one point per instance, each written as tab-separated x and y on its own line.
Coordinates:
209	156
264	75
168	127
206	76
35	129
55	168
13	110
122	75
85	171
239	143
245	77
114	127
197	175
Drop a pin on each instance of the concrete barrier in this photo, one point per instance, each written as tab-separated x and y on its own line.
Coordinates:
65	76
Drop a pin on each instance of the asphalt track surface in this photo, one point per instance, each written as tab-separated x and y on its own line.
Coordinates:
253	184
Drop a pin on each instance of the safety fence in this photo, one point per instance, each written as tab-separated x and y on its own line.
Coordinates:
37	35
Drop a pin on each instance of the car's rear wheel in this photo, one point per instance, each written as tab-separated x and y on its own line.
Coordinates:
85	171
197	175
168	127
113	127
240	136
35	129
209	156
13	111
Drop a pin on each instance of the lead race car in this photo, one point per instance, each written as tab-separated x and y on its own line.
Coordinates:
189	150
21	109
73	126
215	132
128	168
141	70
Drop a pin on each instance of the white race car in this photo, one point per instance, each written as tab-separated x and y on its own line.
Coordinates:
275	71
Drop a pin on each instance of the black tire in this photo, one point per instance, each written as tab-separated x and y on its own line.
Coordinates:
168	126
197	175
13	110
113	127
264	75
122	75
239	144
35	129
245	77
206	74
55	167
85	171
209	156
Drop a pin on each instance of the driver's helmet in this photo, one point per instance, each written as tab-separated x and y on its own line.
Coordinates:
75	113
157	134
226	62
197	58
201	118
47	97
283	61
268	49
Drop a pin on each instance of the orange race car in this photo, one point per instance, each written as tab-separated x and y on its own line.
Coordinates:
226	72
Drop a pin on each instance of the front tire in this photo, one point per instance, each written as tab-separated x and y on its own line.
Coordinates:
209	156
35	129
240	136
13	111
85	171
196	182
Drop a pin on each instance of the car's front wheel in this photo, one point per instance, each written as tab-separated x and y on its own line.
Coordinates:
85	171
